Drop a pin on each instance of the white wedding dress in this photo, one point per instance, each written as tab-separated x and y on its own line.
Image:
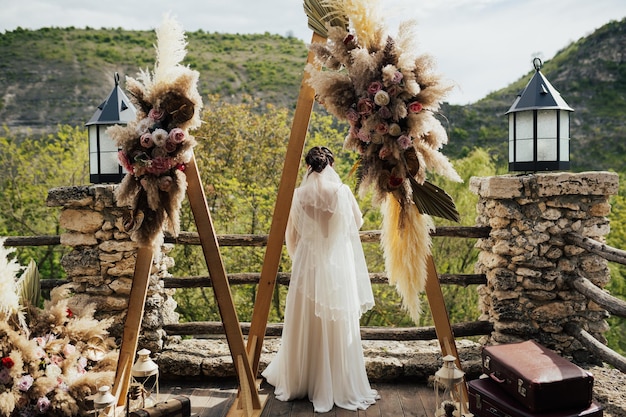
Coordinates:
321	355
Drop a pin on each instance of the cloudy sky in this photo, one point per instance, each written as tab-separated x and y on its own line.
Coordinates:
481	45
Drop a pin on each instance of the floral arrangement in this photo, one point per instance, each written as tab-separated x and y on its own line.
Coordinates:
156	147
51	359
389	96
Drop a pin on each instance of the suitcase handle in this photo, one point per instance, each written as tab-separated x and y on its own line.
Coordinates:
493	376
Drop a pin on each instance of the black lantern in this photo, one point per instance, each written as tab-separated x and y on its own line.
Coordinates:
103	163
539	127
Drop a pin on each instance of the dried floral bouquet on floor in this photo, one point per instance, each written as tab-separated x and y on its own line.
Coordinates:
52	359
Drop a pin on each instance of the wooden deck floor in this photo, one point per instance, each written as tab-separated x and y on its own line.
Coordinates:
214	399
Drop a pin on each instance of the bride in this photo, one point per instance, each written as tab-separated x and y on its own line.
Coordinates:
321	355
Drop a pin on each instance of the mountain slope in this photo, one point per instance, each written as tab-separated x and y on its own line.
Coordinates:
58	76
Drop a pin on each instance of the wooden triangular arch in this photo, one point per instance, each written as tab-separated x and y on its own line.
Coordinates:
246	357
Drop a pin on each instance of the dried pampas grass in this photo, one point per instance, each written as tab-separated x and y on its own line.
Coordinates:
406	251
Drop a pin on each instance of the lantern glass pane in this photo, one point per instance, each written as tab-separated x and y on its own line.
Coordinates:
524	150
546	149
546	124
511	137
93	162
524	122
564	150
93	138
106	143
564	122
108	163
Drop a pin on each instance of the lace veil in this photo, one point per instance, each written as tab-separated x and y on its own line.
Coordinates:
323	241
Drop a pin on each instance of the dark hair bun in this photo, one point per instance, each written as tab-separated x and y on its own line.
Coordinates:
319	157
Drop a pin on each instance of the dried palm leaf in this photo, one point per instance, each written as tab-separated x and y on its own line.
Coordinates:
323	12
30	289
433	201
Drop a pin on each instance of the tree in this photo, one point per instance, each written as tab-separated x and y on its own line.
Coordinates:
616	336
29	167
240	157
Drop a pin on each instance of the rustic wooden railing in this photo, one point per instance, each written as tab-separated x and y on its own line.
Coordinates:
467	329
610	303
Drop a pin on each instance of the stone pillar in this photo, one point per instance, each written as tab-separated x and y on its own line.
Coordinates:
527	261
101	262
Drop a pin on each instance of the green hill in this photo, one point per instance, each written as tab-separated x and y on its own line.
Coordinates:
59	75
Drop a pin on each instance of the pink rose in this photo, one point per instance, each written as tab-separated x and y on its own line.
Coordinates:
352	116
25	382
159	165
156	114
394	90
124	162
177	135
381	128
170	146
374	87
365	106
81	365
415	107
43	403
146	140
397	77
384	112
69	349
384	152
364	136
404	141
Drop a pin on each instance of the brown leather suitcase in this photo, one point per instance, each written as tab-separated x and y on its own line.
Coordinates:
487	399
176	406
537	377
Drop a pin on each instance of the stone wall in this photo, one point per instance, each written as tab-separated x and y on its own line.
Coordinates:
101	262
527	262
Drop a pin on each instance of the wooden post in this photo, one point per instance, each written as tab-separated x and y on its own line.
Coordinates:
441	318
276	237
132	324
221	288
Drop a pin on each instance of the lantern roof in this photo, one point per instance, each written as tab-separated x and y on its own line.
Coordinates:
539	94
116	108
